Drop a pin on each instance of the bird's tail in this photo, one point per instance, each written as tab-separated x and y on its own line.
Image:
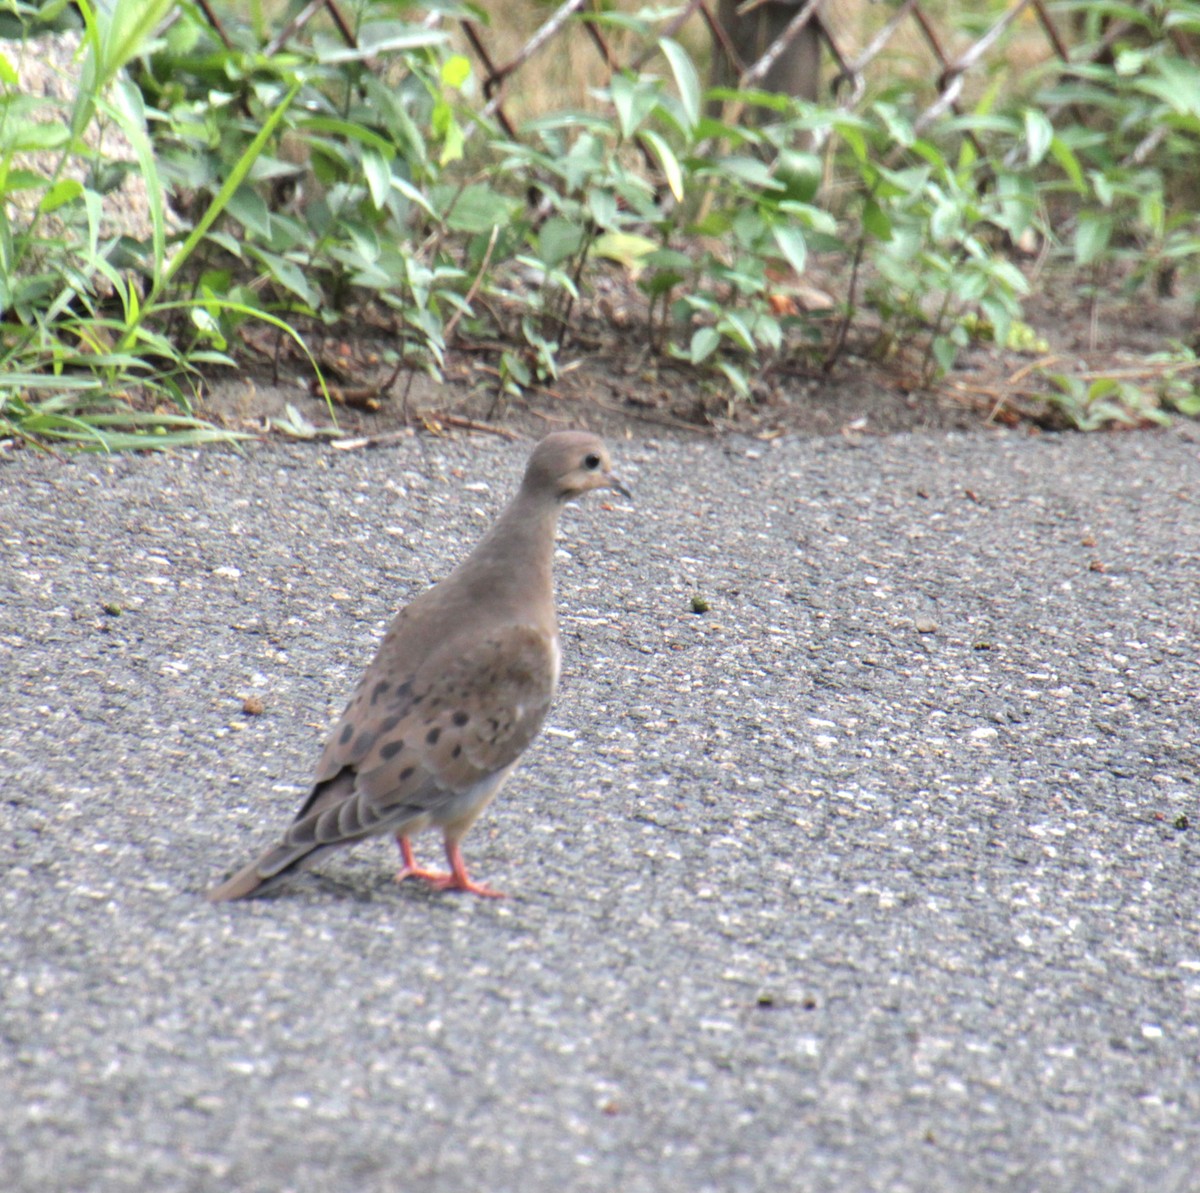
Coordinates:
267	871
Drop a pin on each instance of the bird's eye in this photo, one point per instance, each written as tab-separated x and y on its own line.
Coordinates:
591	461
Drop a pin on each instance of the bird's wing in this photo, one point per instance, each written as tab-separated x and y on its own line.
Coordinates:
412	746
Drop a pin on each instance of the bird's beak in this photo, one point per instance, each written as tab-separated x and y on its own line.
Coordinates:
613	483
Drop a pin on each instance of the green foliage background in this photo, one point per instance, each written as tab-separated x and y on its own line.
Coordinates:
311	181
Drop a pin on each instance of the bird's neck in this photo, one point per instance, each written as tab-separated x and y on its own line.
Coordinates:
515	560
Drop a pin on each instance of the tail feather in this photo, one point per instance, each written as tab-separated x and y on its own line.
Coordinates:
246	881
310	837
265	872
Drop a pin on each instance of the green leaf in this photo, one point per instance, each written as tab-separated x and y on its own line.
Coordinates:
1068	163
634	100
714	223
875	220
378	40
22	180
705	341
289	277
128	109
897	125
208	326
249	209
65	190
659	282
477	208
750	170
8	76
800	174
735	327
768	332
452	147
626	248
512	365
448	128
853	136
123	28
1103	187
558	240
378	173
1039	135
810	217
1092	236
944	352
790	242
31	136
1177	84
347	130
667	160
686	79
603	207
736	377
945	221
231	244
456	70
671	259
411	193
998	315
624	93
232	183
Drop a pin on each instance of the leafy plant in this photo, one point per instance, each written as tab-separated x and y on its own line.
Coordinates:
1178	380
73	344
350	175
1132	133
348	171
1090	404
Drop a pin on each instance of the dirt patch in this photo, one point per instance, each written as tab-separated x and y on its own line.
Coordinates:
611	382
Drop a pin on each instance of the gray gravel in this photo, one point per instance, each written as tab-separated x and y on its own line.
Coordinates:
872	877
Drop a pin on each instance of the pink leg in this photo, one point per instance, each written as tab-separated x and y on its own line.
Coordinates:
457	880
410	869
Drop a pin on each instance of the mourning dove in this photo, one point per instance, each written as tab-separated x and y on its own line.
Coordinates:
457	690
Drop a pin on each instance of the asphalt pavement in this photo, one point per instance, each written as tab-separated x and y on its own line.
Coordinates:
879	874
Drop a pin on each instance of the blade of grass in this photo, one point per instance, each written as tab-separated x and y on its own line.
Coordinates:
221	200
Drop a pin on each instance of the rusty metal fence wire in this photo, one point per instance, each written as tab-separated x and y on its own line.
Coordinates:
920	29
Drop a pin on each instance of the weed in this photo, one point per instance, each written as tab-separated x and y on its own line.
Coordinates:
325	180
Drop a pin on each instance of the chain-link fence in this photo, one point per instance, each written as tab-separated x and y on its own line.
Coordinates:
940	53
995	138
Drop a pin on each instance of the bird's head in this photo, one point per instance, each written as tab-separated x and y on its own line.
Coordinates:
568	464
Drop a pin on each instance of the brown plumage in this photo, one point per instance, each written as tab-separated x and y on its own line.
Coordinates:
458	689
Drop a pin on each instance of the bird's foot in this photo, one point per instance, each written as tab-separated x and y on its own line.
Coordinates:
435	878
439	880
456	879
409	868
460	882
